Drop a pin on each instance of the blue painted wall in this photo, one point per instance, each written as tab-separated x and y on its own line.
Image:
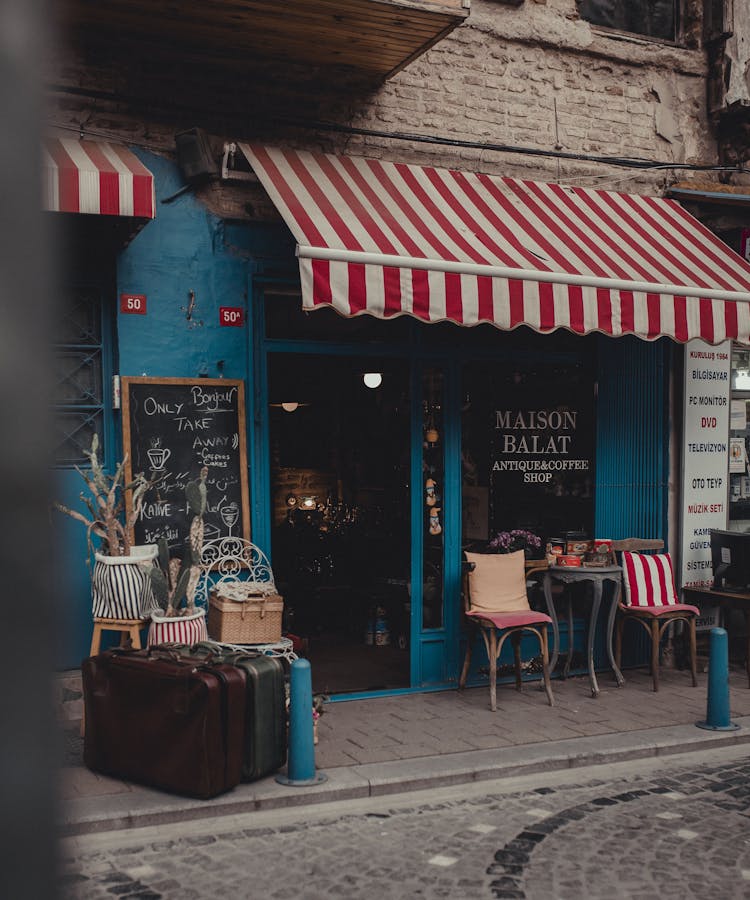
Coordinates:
181	250
185	248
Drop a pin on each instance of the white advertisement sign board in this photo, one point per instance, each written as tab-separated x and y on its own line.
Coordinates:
704	457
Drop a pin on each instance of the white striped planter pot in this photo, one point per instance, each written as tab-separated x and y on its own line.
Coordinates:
120	585
177	629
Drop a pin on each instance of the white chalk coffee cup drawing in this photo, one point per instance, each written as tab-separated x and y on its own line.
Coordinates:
158	457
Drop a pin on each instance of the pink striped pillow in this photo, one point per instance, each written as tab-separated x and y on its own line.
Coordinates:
649	580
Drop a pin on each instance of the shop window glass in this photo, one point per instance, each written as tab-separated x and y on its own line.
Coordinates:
527	449
434	511
78	403
739	441
650	18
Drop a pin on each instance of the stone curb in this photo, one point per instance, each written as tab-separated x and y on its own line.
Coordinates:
137	807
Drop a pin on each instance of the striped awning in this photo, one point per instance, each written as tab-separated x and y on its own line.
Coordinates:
388	238
95	177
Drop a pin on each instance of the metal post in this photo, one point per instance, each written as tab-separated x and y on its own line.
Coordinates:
717	710
301	764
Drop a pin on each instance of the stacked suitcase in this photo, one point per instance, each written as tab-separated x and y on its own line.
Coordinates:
193	721
265	708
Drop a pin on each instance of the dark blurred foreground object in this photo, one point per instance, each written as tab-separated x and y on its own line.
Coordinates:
28	787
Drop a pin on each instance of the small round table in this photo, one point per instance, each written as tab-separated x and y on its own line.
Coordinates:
597	576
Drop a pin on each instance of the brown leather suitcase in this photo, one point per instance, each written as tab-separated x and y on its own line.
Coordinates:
171	723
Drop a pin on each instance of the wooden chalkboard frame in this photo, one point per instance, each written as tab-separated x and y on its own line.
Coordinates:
127	380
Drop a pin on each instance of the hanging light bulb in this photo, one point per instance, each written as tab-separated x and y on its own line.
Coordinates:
372	379
289	406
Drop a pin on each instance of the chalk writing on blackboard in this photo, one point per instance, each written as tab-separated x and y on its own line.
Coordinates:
172	428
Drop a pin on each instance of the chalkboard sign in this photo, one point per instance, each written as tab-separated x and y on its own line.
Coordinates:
172	428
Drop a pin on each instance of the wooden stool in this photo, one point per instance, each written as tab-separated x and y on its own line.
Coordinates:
130	634
130	631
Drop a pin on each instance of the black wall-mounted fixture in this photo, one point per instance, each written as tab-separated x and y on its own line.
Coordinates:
194	155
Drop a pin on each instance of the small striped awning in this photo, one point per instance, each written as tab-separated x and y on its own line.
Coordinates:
95	177
389	238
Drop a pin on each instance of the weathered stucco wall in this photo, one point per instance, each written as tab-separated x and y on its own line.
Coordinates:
534	75
738	51
541	77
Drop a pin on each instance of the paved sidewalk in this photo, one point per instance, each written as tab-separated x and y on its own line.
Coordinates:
417	741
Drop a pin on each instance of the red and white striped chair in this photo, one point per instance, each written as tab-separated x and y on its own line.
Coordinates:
649	598
495	601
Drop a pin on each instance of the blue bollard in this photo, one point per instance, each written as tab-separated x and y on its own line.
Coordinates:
301	762
717	708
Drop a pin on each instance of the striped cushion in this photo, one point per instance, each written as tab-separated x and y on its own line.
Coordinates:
649	580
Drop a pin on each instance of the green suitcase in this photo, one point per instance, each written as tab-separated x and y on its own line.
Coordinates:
265	743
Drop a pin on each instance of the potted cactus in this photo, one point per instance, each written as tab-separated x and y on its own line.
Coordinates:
120	584
174	581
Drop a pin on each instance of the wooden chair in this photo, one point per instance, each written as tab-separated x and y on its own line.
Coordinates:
649	598
495	602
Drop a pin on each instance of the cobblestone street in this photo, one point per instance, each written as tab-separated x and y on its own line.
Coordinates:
678	827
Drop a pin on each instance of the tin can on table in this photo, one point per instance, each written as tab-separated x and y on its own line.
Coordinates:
578	546
556	546
571	560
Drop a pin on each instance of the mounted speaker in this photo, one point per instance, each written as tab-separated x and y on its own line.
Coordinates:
194	155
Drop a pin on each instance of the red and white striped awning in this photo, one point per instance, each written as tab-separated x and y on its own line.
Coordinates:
389	238
95	177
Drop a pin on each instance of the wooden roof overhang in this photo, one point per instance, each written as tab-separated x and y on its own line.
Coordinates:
375	38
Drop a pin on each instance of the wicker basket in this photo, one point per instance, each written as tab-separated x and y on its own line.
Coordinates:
254	620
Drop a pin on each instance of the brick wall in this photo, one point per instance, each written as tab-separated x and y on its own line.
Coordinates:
534	75
301	483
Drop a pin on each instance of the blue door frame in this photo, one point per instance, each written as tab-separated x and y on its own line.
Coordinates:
434	659
434	651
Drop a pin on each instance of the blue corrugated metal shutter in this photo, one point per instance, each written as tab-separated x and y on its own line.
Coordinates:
632	439
632	455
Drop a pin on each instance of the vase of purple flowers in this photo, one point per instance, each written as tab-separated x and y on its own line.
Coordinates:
517	539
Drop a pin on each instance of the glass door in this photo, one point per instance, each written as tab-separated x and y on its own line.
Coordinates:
433	515
436	505
339	446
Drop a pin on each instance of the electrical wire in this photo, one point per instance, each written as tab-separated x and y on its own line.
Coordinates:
618	161
82	131
635	162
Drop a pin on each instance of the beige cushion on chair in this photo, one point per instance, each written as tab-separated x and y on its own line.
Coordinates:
498	582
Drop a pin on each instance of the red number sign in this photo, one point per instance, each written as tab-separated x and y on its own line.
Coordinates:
133	303
231	315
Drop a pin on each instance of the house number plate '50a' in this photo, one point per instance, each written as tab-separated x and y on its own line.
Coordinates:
231	315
